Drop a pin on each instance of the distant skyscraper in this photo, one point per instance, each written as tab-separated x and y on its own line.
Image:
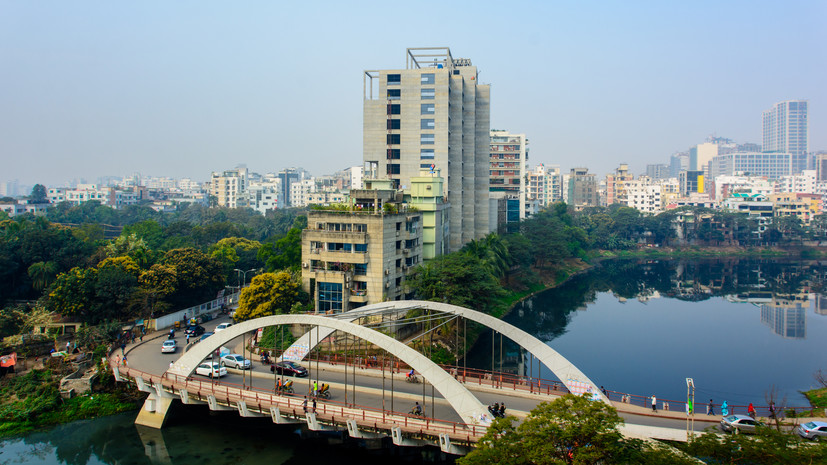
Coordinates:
432	116
509	162
785	131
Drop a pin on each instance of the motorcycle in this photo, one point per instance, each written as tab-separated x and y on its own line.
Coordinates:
265	359
412	379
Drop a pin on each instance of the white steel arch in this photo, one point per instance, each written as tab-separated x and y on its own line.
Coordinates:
469	408
574	379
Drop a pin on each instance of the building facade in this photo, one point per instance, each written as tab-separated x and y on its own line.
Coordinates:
786	131
434	114
360	256
508	165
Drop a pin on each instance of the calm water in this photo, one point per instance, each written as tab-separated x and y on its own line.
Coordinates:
194	436
737	327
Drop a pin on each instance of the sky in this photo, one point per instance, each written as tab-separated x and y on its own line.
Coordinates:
181	89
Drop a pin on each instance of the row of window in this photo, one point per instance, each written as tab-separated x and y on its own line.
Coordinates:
346	227
425	123
396	139
426	93
425	79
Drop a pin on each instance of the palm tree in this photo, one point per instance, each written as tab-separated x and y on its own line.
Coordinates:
42	274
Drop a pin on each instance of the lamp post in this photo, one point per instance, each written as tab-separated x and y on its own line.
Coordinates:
244	273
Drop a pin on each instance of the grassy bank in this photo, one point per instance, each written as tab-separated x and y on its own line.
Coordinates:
818	399
32	401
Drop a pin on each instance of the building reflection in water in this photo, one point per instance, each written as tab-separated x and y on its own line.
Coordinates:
787	315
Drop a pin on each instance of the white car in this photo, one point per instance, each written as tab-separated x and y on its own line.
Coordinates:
236	361
222	327
168	346
211	369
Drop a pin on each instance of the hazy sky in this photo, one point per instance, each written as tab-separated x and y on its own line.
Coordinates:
183	88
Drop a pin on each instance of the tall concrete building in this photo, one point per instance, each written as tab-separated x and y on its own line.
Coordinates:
509	162
580	188
229	187
616	185
786	131
432	115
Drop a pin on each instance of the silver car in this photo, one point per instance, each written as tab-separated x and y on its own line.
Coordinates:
739	424
815	430
236	361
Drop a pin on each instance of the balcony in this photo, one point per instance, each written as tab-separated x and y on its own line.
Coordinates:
322	235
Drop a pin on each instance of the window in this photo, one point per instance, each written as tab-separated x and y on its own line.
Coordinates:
393	138
394	109
427	94
456	73
426	166
360	248
427	123
394	94
394	79
360	269
428	78
393	169
428	109
330	297
426	139
394	124
426	154
394	154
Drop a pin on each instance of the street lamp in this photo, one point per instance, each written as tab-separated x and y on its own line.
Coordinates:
240	272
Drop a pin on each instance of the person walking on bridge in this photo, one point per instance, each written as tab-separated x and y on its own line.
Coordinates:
654	403
710	409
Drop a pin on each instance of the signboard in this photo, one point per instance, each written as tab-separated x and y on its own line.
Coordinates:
296	352
579	388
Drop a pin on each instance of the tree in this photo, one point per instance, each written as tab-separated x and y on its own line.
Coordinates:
268	294
284	253
568	430
768	445
458	279
42	274
74	293
198	277
38	194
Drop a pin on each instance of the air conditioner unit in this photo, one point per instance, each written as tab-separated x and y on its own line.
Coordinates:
387	285
404	267
406	251
347	285
304	265
397	233
387	271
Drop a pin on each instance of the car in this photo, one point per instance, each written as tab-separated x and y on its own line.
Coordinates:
222	327
288	369
815	430
168	346
206	335
194	330
739	424
236	361
211	370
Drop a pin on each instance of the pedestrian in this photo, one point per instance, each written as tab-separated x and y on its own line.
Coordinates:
125	363
772	410
304	404
188	339
141	336
118	360
725	409
751	410
123	348
170	365
666	406
654	403
314	405
502	410
68	347
315	388
605	393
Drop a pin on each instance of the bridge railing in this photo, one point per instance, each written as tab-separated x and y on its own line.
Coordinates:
335	410
503	380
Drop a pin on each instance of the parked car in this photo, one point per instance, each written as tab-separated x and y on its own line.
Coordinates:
211	369
194	330
815	430
206	335
236	361
169	346
739	424
222	327
288	369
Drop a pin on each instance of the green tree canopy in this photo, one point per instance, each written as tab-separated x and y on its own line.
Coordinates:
39	194
459	279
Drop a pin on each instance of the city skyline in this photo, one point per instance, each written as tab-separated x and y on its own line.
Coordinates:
184	89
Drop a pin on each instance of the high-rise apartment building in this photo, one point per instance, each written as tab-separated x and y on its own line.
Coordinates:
432	115
580	188
544	185
229	187
786	131
509	162
615	185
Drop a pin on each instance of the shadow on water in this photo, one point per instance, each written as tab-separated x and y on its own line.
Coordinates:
194	435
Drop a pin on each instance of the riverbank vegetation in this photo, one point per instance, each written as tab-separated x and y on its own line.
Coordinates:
576	430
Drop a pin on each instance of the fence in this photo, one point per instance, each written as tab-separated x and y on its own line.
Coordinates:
193	312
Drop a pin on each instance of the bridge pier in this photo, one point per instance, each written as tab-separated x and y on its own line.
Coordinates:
245	412
354	432
275	414
446	446
156	406
400	440
215	406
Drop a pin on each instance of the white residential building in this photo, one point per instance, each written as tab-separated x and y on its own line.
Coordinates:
738	183
644	196
804	183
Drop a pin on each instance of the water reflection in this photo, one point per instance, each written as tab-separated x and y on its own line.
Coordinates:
737	326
